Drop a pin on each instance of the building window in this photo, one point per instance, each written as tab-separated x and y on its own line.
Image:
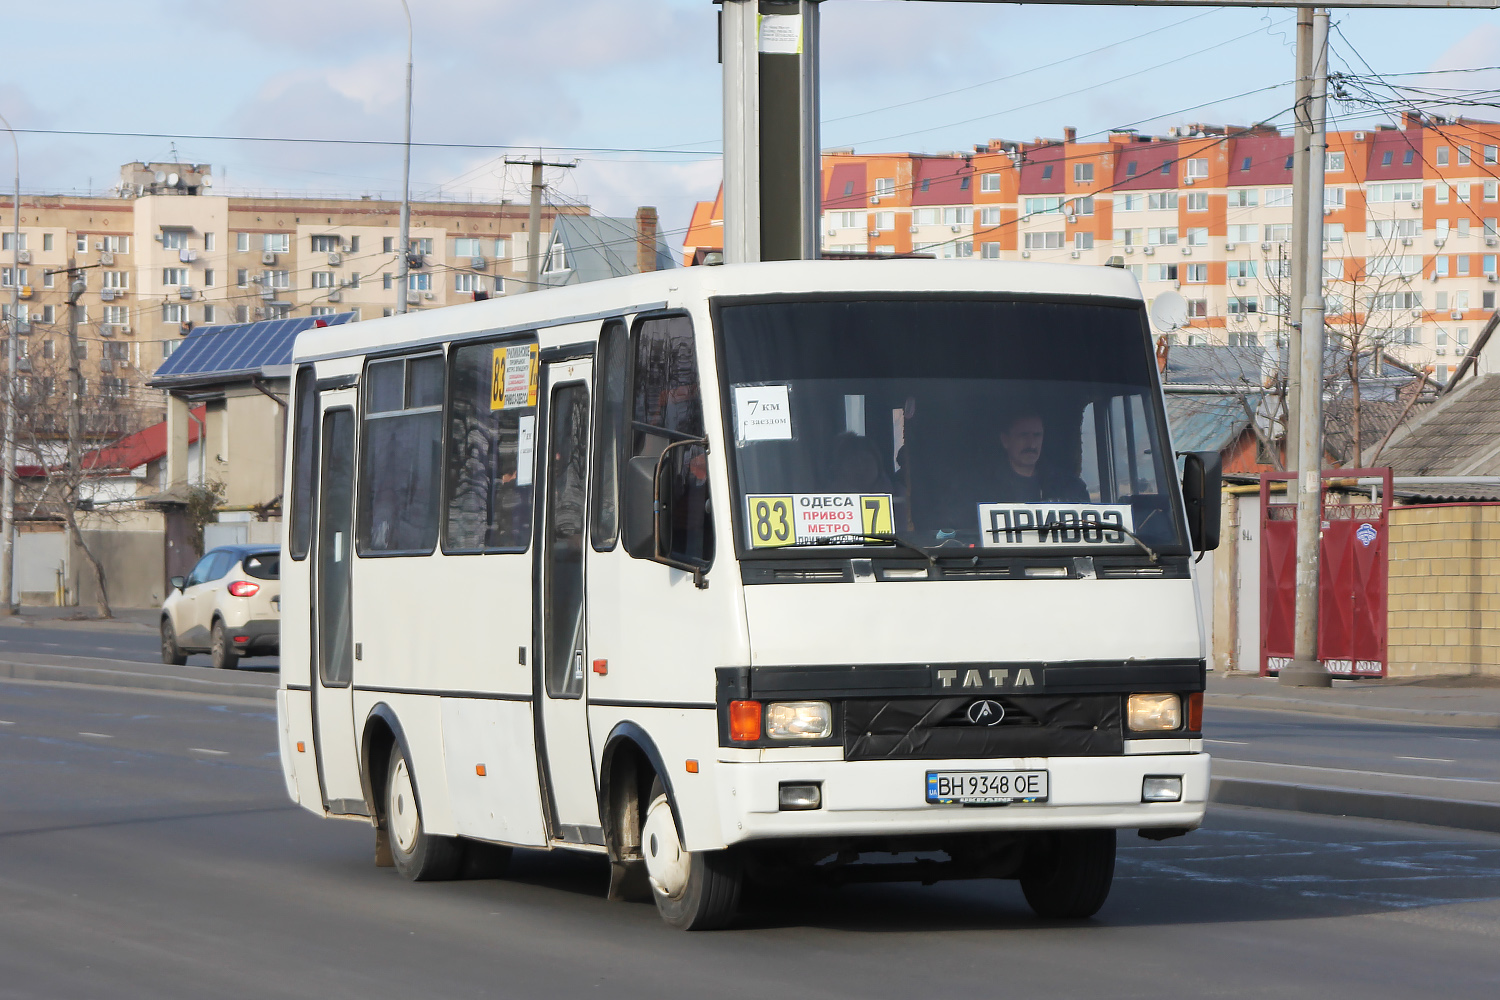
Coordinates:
1043	206
990	251
117	315
1242	305
1197	237
419	282
1279	234
1333	232
278	310
174	276
468	247
242	314
1044	241
1278	197
1240	269
276	242
1197	273
1442	156
468	282
989	217
957	216
924	217
1162	201
208	242
1161	236
1047	172
118	280
1333	163
242	278
885	187
174	239
883	221
326	243
1197	168
386	280
1197	308
1197	201
321	311
174	312
1129	202
1463	156
275	279
208	277
1083	241
324	279
80	242
1242	234
1161	272
242	242
210	313
8	241
1083	173
421	246
388	244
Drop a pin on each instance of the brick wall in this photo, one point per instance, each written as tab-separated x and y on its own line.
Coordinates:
1444	610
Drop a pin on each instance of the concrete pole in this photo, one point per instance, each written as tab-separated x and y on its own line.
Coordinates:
1301	136
405	242
740	53
8	488
534	223
1305	670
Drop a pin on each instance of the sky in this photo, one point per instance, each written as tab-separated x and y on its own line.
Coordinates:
637	83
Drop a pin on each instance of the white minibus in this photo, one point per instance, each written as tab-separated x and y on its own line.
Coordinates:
783	573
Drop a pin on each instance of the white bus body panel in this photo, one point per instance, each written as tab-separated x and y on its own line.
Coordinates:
422	726
504	803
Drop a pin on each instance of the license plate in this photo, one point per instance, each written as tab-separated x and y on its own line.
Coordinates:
986	788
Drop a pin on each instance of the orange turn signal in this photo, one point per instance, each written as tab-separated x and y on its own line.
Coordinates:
1195	713
692	767
744	721
301	747
479	769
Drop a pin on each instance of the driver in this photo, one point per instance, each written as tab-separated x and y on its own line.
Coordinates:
1022	478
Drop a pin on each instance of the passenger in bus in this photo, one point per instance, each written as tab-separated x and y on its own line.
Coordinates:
857	466
1023	477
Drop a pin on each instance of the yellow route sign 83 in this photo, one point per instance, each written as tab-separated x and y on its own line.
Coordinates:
513	371
776	520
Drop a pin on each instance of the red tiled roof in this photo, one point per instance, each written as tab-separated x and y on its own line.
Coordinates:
942	181
137	449
1399	145
1267	156
1138	166
1042	171
846	187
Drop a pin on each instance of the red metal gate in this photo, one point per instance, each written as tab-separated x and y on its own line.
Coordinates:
1352	586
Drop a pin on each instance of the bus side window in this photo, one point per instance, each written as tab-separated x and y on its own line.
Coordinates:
304	462
402	460
667	406
609	434
487	499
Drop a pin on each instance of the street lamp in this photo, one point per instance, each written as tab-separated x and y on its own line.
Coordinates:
405	244
8	453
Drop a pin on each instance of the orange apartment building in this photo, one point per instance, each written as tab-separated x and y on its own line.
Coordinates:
1410	231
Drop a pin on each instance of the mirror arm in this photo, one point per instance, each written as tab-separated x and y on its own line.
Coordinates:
697	569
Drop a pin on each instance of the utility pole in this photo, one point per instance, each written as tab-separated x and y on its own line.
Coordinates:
1305	670
534	218
75	377
8	452
1301	137
405	246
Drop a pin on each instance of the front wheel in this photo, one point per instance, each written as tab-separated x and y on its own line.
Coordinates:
1069	873
693	890
418	855
224	656
170	651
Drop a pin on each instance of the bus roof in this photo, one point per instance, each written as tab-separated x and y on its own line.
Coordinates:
681	287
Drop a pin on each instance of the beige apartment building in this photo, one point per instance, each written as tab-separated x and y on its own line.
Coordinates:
161	253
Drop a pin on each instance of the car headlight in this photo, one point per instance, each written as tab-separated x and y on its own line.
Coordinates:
799	720
1147	713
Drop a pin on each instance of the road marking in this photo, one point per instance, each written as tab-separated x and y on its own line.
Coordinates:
101	736
4	723
1350	770
1233	743
1434	760
207	750
1461	739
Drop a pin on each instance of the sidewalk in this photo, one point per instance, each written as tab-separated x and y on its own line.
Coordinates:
49	668
1431	701
131	619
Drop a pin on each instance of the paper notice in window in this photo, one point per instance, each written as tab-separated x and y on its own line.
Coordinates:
525	449
513	372
781	34
762	413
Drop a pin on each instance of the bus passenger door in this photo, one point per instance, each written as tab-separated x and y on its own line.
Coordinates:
562	665
333	706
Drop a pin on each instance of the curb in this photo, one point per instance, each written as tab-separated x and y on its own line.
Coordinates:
1372	713
138	680
1326	801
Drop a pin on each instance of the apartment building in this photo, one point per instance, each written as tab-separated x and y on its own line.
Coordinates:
161	253
1410	232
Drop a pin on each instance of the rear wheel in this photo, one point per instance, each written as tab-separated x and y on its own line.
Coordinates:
170	651
693	890
224	656
1069	873
418	855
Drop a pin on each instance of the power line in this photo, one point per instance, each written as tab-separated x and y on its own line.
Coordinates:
352	142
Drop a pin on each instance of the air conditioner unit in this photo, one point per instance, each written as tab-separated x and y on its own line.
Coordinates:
1026	254
268	257
105	257
1240	282
185	291
106	365
268	293
23	364
477	263
1456	314
99	246
1417	206
335	296
1188	181
1265	246
1490	278
1228	247
334	260
259	312
1406	241
1441	352
1071	219
1148	251
1074	255
347	247
106	294
1187	251
1359	137
833	232
428	296
874	199
874	233
23	256
186	256
1491	241
956	229
1130	249
913	229
1417	313
1439	240
123	329
412	298
1264	317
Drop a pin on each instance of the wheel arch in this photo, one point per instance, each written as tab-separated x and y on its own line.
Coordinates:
629	744
382	730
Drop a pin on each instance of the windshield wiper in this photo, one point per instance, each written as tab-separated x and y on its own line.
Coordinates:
1039	528
891	539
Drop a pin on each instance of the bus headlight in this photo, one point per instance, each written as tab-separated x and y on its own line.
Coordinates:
1147	713
799	720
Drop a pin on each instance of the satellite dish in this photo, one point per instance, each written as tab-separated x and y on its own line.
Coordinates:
206	181
1169	311
171	180
160	176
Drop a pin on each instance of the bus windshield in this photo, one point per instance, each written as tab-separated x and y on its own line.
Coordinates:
984	424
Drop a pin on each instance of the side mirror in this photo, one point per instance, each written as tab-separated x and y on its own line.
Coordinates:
666	517
638	523
1202	485
178	582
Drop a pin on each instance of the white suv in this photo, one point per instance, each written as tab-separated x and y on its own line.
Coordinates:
228	607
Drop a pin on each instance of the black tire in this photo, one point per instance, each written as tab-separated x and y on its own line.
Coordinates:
224	656
170	651
1069	873
693	890
419	855
483	860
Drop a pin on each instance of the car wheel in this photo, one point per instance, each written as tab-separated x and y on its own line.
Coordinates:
170	651
1069	873
693	890
224	656
419	855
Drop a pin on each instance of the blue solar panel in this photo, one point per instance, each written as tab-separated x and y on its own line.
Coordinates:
241	347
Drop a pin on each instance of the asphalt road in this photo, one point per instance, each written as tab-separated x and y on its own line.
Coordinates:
111	641
1319	741
147	849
